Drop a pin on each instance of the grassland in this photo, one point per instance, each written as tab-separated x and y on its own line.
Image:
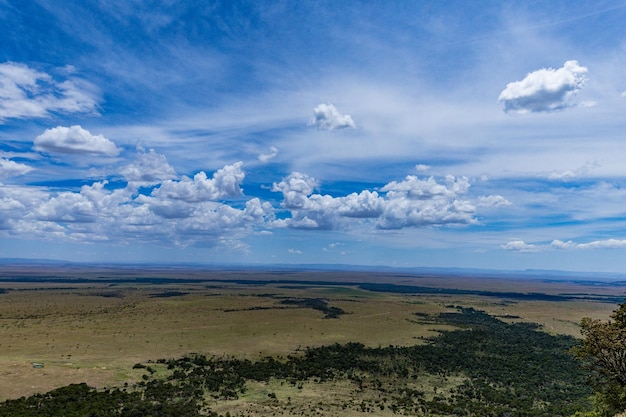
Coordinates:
92	325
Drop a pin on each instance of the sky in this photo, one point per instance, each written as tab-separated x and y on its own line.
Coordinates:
486	134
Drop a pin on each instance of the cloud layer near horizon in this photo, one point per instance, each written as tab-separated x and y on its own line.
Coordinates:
156	203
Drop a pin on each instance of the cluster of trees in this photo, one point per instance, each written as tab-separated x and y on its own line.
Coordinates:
507	369
330	312
603	355
80	400
319	304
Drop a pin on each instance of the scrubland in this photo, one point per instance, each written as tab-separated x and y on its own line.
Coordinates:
93	326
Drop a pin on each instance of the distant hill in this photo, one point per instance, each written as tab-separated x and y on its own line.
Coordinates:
542	274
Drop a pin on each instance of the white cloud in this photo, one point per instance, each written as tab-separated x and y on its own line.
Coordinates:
266	157
10	168
327	117
15	203
416	189
422	167
579	172
544	90
25	92
409	203
149	168
296	188
316	211
224	184
294	251
418	203
332	246
74	140
366	204
519	246
92	204
597	244
96	213
493	201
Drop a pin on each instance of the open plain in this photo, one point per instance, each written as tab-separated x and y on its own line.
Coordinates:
63	325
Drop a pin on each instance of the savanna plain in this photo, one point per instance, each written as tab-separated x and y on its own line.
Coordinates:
397	339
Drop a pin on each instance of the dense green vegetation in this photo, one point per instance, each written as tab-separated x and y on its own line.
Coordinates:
501	370
603	355
319	304
512	295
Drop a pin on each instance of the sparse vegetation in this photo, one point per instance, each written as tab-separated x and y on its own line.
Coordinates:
534	378
373	352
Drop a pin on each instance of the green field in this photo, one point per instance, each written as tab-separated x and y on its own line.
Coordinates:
92	325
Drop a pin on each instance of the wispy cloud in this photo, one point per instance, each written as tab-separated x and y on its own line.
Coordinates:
28	93
521	246
266	157
10	168
596	244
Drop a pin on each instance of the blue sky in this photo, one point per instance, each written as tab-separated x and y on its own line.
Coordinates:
483	134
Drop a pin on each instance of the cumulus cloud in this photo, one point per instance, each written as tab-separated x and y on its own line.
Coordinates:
519	246
74	140
316	211
597	244
15	203
413	202
98	213
294	251
416	203
493	201
192	211
225	183
148	168
10	168
68	207
417	189
266	157
296	188
544	90
327	117
25	92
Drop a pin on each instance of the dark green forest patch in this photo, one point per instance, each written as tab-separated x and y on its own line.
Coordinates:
319	304
500	369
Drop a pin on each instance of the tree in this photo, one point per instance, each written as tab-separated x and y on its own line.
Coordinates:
603	354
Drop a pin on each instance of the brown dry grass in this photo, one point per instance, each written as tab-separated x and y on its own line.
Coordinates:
81	336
